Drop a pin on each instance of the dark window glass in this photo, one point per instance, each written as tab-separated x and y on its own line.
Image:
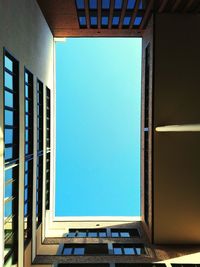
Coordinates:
8	80
105	4
93	4
93	21
126	21
11	156
79	251
80	4
28	175
39	172
115	21
137	21
104	21
131	4
118	4
117	251
82	21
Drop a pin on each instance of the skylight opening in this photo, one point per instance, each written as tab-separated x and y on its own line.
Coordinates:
98	127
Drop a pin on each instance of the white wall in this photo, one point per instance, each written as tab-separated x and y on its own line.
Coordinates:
26	35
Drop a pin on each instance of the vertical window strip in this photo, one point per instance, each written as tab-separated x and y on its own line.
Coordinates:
11	156
48	144
146	136
40	148
28	175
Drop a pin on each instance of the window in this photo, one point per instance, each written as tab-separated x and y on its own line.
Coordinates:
84	249
118	4
48	143
40	148
105	4
125	233
87	233
128	249
11	155
146	135
28	168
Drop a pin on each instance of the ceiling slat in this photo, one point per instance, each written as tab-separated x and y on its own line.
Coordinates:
99	14
135	11
162	6
87	13
188	5
123	13
146	14
112	3
175	6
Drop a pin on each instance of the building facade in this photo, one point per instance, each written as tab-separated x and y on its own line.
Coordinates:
168	232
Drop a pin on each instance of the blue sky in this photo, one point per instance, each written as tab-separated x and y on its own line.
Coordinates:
98	127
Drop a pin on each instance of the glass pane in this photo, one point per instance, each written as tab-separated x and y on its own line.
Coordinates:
115	21
105	4
104	20
8	99
93	20
118	4
115	234
8	136
26	135
140	251
26	105
93	4
26	90
8	190
26	149
131	4
8	63
67	251
8	117
8	80
81	234
72	234
26	165
26	179
26	77
26	120
8	174
137	21
129	251
79	251
8	209
25	209
126	21
80	4
92	234
117	251
124	234
26	194
82	21
102	234
8	153
141	5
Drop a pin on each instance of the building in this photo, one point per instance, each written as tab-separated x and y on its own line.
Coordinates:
168	231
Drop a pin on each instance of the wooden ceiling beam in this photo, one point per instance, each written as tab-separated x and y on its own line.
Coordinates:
112	4
135	11
162	6
123	13
188	5
175	5
87	15
146	14
99	14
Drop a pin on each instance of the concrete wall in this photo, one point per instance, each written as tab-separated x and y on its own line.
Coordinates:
176	155
25	34
147	40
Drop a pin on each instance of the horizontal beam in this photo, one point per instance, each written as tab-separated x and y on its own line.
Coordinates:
179	128
98	33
